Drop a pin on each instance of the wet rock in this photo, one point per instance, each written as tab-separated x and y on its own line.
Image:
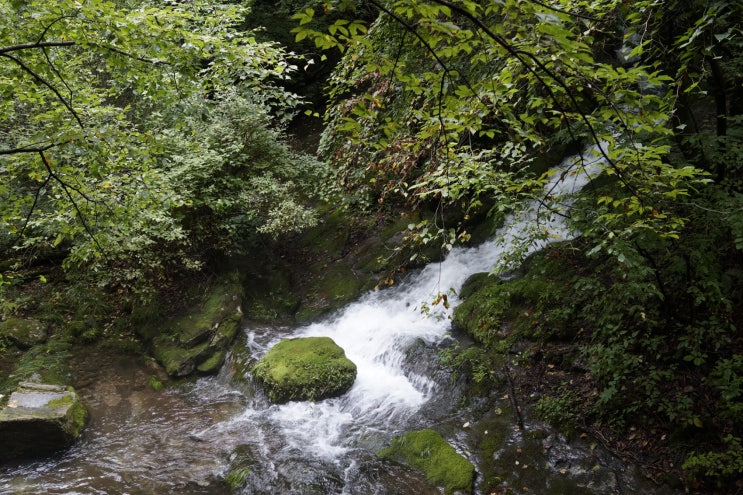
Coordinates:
24	332
310	368
40	419
198	340
428	451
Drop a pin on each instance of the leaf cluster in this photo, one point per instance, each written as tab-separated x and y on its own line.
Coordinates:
120	139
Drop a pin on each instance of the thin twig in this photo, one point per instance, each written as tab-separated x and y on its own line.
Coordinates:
66	188
512	396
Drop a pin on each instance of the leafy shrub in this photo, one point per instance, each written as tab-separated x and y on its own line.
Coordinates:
561	411
723	467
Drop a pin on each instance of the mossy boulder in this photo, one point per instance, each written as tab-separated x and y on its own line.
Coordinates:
40	419
24	332
428	451
531	305
309	368
198	340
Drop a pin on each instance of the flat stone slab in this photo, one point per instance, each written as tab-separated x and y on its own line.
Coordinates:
40	419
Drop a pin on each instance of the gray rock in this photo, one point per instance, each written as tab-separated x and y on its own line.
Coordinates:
40	419
23	332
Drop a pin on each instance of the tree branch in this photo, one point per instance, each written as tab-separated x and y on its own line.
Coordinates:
46	83
66	188
571	14
523	58
131	55
33	207
39	44
34	149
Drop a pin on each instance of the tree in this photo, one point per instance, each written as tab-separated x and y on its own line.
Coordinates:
497	84
463	102
93	94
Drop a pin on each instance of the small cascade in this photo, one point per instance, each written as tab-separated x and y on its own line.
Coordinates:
378	330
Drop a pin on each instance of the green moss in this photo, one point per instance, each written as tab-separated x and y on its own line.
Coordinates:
25	333
198	340
429	452
339	284
269	292
65	400
489	437
330	236
220	306
78	415
227	330
311	368
154	383
241	461
179	361
528	304
49	362
212	363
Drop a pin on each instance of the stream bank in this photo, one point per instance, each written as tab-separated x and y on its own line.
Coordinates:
220	433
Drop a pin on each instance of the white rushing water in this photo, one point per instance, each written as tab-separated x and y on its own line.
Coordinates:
378	330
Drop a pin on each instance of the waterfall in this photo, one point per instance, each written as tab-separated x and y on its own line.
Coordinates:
377	331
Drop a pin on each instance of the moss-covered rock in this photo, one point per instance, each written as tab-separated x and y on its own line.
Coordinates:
198	340
309	368
40	419
24	332
47	363
334	285
494	309
428	451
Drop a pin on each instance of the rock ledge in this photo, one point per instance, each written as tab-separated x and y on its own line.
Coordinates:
40	419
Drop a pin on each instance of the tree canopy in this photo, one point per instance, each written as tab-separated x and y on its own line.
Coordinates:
126	127
460	98
466	104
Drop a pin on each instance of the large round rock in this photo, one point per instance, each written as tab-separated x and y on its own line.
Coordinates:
309	368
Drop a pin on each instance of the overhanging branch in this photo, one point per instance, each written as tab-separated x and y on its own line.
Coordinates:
46	83
27	149
28	46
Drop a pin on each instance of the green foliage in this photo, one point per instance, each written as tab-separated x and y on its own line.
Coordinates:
236	176
727	377
562	411
454	103
477	363
236	477
445	101
724	467
48	361
154	383
104	105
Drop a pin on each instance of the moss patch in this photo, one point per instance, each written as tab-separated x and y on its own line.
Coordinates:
180	361
213	363
24	333
495	309
198	339
310	368
47	362
429	452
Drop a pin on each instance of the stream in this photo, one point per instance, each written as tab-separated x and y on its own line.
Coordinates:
185	438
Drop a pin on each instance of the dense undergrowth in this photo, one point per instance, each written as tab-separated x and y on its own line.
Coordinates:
623	347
